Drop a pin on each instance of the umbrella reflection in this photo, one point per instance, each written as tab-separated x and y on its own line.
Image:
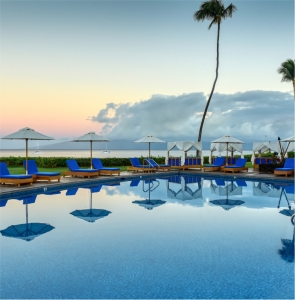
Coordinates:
92	214
27	231
149	203
230	189
227	204
287	212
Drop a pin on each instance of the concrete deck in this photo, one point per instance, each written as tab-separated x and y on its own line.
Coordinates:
68	182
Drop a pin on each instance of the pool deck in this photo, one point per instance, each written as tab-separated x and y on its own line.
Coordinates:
70	182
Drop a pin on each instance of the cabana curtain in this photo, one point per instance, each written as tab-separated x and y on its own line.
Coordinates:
220	147
264	146
184	147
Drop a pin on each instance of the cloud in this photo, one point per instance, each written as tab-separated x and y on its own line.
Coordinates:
249	116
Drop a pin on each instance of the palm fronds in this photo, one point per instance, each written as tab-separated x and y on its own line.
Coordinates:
287	70
214	11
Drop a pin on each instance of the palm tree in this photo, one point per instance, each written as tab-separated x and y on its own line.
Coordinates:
214	11
287	70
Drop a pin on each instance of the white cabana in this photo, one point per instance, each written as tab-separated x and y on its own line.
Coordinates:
186	192
226	143
184	147
290	144
263	147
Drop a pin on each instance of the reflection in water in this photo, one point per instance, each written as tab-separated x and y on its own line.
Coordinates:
265	190
227	204
227	189
276	190
91	214
287	212
148	203
27	231
185	192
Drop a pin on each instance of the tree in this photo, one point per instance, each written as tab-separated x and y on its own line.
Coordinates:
214	11
287	71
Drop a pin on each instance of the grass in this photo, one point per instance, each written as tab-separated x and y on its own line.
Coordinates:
21	170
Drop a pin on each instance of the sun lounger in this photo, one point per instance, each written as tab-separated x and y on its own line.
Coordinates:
5	176
175	163
189	163
137	166
228	160
33	170
153	164
74	170
192	163
97	164
218	163
239	166
288	168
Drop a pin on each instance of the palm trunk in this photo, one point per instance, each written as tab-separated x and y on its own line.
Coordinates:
294	88
212	91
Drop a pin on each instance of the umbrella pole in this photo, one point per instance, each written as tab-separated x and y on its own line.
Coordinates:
91	154
27	217
90	199
26	156
149	150
226	153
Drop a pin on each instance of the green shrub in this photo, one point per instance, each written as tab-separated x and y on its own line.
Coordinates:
53	162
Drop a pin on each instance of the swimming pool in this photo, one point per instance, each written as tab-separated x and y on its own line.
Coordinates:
175	237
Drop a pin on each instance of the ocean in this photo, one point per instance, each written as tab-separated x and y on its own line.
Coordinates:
100	154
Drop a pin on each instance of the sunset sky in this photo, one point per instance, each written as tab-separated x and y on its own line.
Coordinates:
69	67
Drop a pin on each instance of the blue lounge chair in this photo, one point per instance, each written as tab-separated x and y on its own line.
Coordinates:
218	163
5	176
174	162
192	163
153	164
239	166
288	168
33	170
74	170
137	166
97	164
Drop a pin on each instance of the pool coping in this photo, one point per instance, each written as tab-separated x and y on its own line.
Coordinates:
44	188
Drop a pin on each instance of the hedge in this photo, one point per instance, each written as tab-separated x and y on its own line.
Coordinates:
54	162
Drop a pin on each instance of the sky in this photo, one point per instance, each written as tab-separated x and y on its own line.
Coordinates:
126	69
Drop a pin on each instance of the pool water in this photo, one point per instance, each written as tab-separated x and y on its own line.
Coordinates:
176	237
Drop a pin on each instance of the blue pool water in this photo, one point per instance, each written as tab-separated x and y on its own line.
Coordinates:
176	237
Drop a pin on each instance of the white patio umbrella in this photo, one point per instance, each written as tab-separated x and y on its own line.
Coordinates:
90	137
149	139
228	140
27	134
